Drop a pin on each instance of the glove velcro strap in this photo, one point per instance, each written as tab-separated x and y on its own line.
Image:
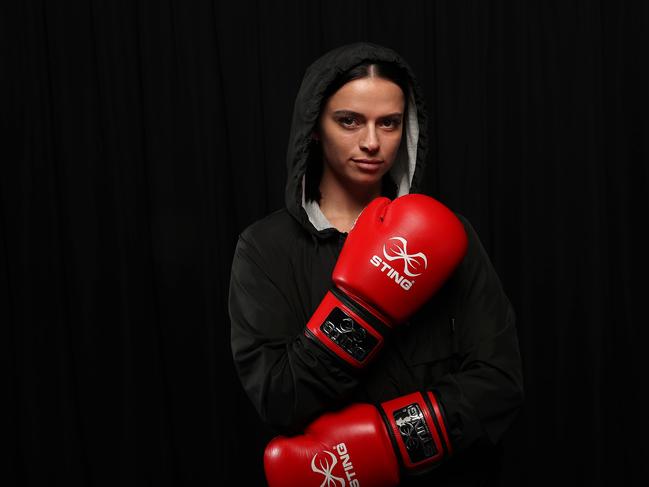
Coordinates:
345	328
417	430
440	420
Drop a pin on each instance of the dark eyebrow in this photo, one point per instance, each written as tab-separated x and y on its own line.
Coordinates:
350	113
347	113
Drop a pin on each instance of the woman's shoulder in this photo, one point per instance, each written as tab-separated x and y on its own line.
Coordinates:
277	229
471	233
465	221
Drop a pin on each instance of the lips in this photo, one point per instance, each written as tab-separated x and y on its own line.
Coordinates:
368	165
368	161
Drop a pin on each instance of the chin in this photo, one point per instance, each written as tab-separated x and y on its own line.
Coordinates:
367	178
365	181
352	177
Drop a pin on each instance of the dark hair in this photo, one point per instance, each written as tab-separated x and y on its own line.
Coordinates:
379	69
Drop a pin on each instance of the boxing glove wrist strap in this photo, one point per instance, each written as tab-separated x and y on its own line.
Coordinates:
417	429
371	320
347	329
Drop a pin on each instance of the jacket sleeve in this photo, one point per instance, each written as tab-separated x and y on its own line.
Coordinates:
482	397
287	377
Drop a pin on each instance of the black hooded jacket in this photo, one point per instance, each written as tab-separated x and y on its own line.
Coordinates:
462	344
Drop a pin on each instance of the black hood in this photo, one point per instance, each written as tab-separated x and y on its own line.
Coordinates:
407	170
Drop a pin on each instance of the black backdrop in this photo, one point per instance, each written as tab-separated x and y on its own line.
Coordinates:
140	137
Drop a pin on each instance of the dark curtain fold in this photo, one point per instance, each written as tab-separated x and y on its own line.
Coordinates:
139	139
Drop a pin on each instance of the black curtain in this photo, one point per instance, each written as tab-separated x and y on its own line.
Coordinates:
139	139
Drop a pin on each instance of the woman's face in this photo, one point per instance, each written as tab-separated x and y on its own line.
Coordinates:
360	130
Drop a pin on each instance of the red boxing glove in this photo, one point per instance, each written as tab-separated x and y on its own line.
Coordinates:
362	445
397	255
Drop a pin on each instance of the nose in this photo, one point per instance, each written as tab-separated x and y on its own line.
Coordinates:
369	141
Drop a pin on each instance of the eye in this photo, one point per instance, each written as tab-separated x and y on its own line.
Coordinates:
391	123
347	121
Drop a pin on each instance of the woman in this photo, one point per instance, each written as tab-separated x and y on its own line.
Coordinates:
358	132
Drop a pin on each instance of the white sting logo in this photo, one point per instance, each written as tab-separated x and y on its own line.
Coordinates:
326	465
412	263
326	469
